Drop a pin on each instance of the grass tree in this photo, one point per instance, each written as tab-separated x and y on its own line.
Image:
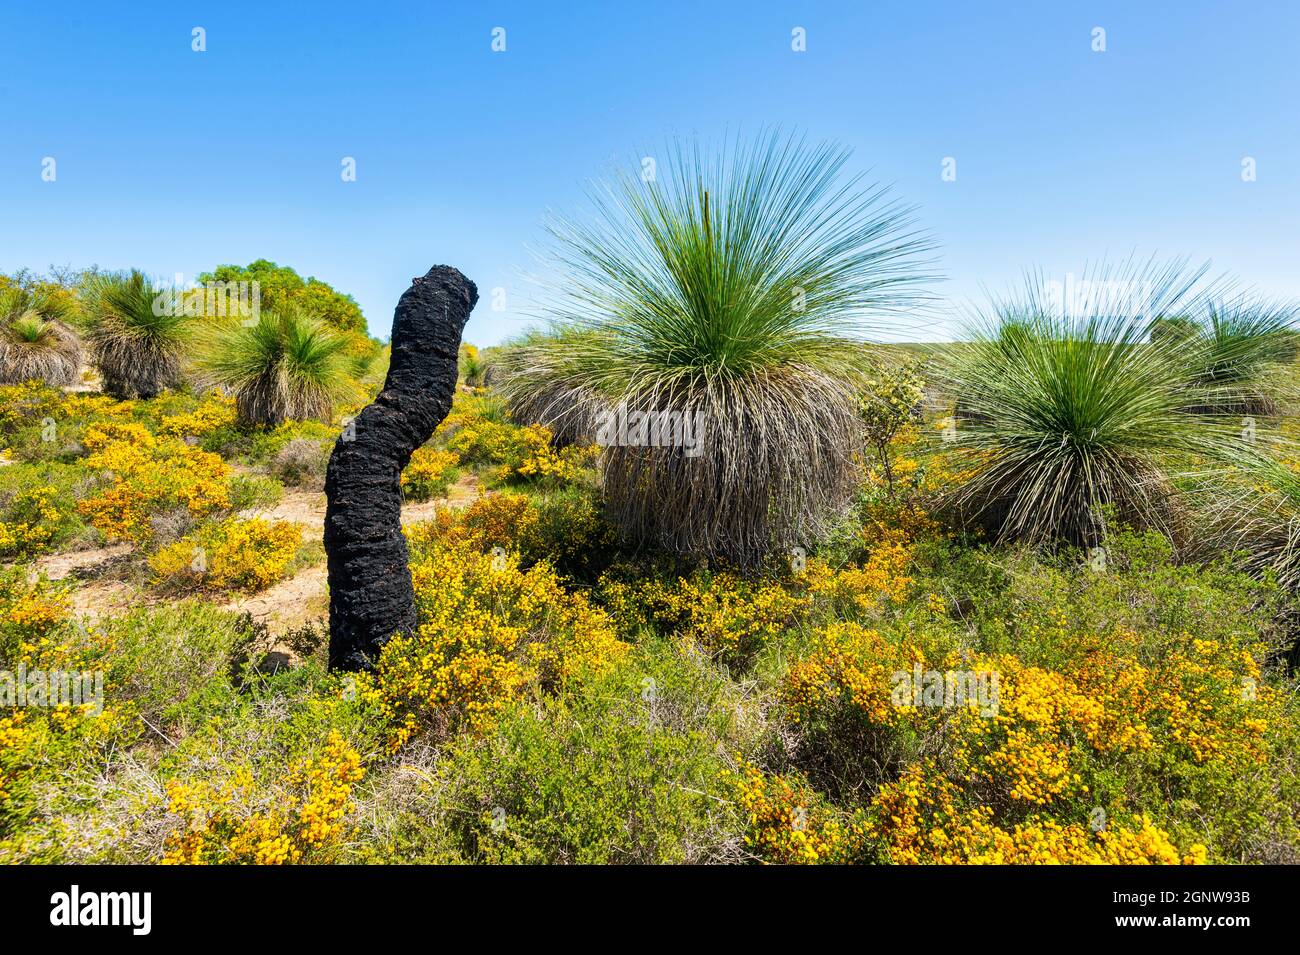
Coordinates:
35	341
138	336
1253	510
721	294
1067	409
282	366
1245	344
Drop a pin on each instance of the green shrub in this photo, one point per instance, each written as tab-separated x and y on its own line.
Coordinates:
630	771
248	491
38	508
163	657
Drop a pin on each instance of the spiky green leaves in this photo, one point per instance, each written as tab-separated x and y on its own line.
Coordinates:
136	335
729	290
35	342
1244	342
1067	406
281	365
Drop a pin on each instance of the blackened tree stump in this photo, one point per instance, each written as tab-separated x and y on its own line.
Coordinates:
371	596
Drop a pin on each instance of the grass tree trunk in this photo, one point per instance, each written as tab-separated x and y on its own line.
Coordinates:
371	596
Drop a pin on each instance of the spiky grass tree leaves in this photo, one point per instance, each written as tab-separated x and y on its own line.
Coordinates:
728	290
137	342
282	366
35	344
1245	343
1253	511
1070	409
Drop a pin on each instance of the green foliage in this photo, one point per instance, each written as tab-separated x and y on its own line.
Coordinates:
1147	609
893	396
668	756
1065	408
631	772
571	532
281	288
1244	344
282	367
728	290
55	295
564	528
266	443
35	342
254	492
137	337
23	409
471	367
38	508
1006	597
1253	510
165	658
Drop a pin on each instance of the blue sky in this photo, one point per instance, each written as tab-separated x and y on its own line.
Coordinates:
176	161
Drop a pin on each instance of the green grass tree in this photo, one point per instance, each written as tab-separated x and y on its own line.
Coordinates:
728	291
35	341
1068	410
137	334
281	366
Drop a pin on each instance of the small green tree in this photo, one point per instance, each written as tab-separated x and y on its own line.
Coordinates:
890	400
281	287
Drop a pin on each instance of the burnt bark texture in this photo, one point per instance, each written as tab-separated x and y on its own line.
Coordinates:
371	596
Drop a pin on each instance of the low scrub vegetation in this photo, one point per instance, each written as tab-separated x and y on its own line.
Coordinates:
1030	597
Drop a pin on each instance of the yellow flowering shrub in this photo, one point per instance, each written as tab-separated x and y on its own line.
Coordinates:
477	440
234	554
881	580
131	435
920	819
567	530
33	520
1020	773
733	617
488	633
213	412
905	481
500	519
84	405
149	476
850	665
34	636
469	408
429	474
536	458
789	823
13	756
30	611
723	614
26	404
521	454
300	818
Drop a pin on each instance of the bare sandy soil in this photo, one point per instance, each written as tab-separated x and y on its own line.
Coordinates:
289	604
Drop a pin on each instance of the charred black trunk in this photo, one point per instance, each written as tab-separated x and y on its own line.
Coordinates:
371	597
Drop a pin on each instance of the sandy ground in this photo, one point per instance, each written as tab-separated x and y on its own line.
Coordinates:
100	591
292	602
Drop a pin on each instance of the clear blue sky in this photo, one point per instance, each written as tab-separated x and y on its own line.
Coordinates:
176	161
